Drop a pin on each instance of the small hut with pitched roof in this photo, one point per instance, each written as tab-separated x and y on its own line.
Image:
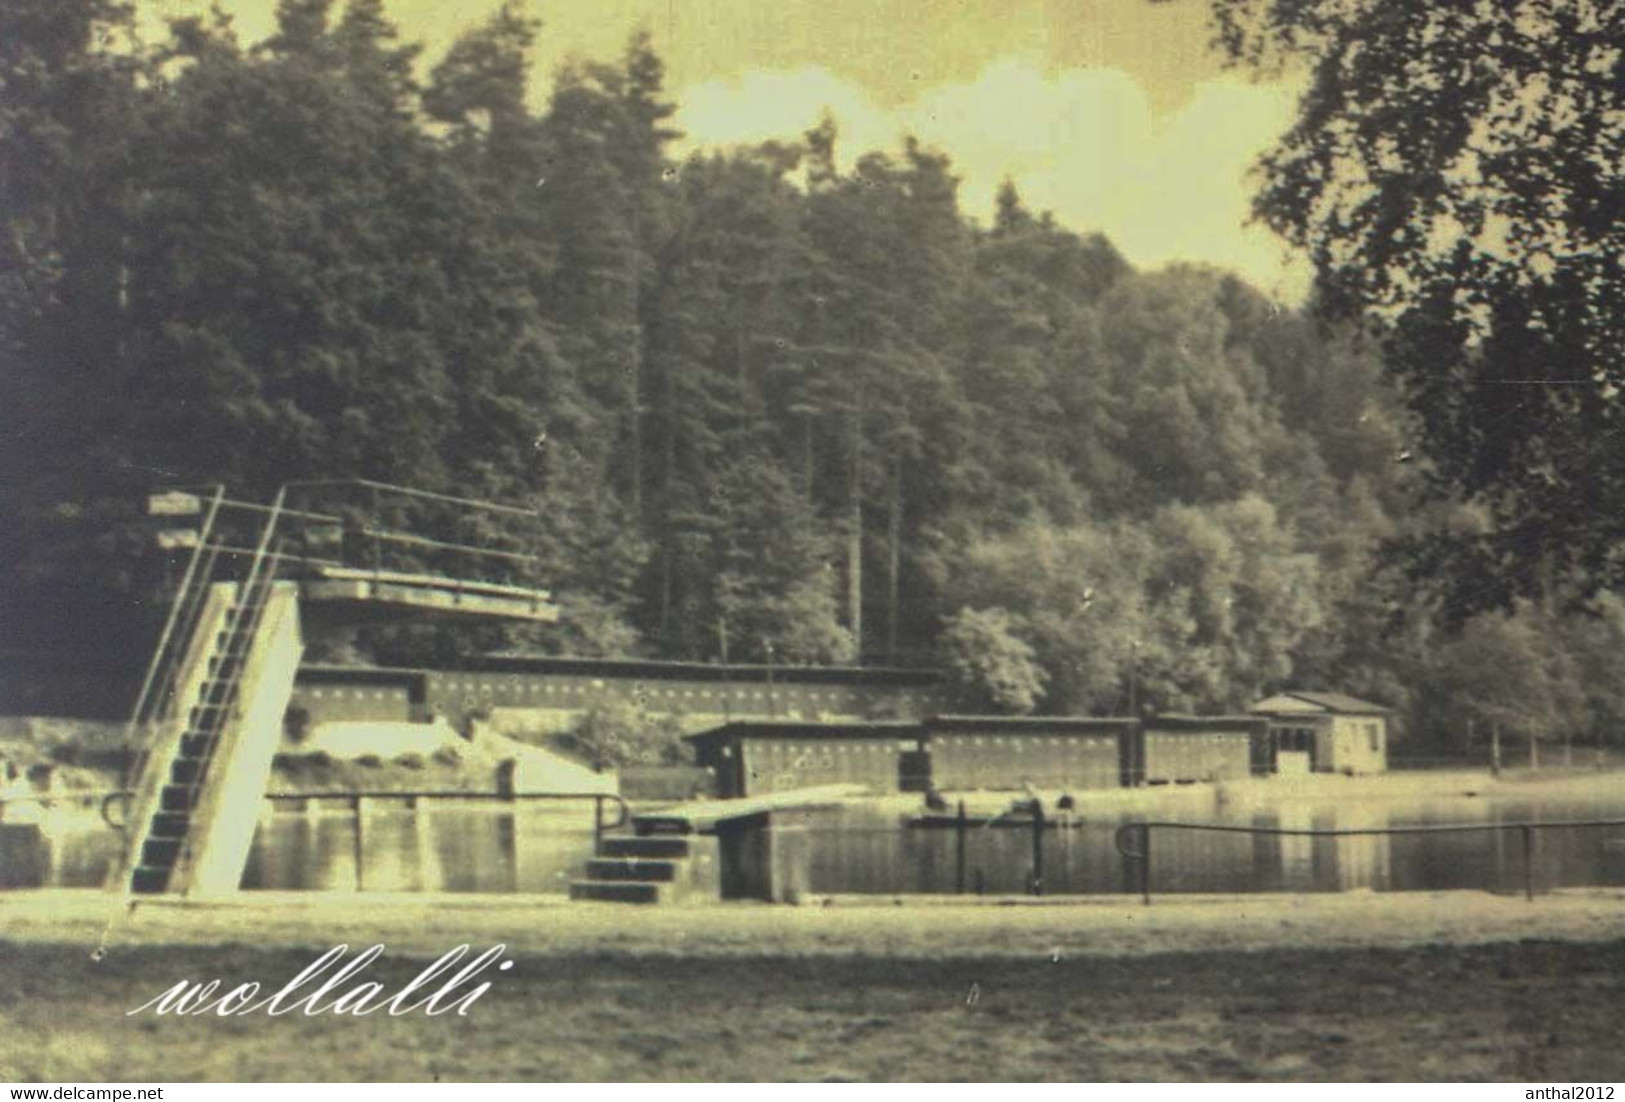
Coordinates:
1326	733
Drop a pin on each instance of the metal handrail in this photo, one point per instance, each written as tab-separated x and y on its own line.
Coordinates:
191	606
146	783
407	538
426	495
233	503
357	799
624	808
1142	830
252	601
139	715
102	798
247	606
108	796
197	602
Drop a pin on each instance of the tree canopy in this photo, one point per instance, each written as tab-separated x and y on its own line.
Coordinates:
1454	173
791	402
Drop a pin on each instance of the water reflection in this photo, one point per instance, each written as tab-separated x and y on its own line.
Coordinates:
438	846
70	851
482	846
446	846
863	853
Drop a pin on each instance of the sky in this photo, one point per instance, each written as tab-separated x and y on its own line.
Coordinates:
1114	114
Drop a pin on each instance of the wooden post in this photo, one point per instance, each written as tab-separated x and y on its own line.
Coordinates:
359	840
1495	749
1528	861
1534	754
1037	883
1145	864
961	827
377	537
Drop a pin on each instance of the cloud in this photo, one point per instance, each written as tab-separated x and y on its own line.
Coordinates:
1085	143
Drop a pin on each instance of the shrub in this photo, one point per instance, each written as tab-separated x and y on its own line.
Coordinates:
618	733
992	667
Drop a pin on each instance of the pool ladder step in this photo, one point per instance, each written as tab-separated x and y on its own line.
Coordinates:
633	869
616	891
630	845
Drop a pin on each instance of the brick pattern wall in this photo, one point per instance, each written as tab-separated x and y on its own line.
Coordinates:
782	765
353	703
455	695
1063	761
1197	756
555	699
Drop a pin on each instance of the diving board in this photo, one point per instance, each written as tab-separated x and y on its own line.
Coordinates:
354	594
703	816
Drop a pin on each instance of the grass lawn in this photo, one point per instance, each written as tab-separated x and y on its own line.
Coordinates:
864	992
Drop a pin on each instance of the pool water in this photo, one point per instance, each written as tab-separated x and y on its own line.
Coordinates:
485	847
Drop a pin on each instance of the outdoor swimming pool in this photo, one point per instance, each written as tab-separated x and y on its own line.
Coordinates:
486	847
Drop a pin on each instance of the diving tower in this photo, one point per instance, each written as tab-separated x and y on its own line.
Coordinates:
208	717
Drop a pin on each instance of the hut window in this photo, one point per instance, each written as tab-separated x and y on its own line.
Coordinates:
1373	733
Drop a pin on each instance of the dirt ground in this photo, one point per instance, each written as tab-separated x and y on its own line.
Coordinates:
1448	986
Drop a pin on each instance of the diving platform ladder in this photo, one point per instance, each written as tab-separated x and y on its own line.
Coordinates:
209	716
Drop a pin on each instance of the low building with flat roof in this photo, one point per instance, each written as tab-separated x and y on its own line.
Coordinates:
1050	753
757	757
1182	749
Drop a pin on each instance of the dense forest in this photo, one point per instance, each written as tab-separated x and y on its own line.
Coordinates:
788	403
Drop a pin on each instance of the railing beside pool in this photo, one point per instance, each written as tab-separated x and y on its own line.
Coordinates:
356	802
1047	851
1140	856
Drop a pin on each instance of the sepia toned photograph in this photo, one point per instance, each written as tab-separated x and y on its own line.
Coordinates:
714	541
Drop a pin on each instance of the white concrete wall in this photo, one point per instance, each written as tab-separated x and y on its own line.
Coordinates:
382	739
536	770
1352	751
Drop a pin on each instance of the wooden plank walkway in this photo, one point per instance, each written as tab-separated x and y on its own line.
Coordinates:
701	816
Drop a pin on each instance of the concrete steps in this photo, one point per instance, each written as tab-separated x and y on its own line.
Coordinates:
616	891
625	845
633	869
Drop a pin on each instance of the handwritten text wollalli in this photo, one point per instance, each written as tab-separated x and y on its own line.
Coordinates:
358	999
